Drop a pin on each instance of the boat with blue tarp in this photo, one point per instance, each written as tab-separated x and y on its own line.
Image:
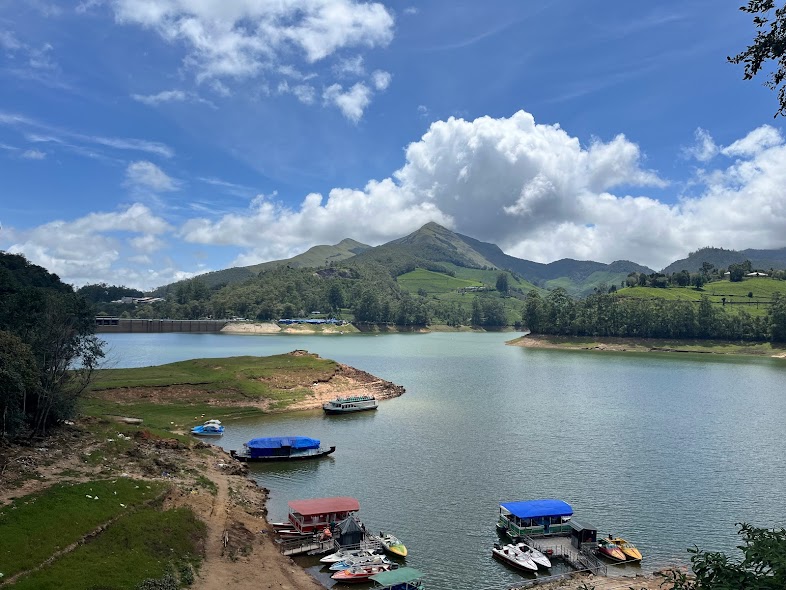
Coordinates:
403	578
209	428
281	448
546	516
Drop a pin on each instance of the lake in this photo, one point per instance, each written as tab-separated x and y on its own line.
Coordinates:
667	450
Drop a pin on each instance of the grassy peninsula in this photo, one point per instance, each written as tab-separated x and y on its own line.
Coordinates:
133	506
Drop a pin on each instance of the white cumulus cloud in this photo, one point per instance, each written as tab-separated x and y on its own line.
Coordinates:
146	175
351	102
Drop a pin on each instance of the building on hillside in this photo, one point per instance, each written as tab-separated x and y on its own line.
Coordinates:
757	274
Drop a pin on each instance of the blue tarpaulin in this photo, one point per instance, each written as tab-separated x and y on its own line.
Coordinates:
538	508
277	442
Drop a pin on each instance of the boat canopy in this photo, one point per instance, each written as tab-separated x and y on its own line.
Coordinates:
277	442
317	506
538	508
401	575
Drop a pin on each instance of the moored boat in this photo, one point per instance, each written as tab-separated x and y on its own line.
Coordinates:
629	549
362	560
359	573
607	548
355	403
513	557
392	544
343	555
535	555
281	448
523	518
209	428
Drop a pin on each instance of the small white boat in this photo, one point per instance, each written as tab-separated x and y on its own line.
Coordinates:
355	403
513	557
343	555
535	555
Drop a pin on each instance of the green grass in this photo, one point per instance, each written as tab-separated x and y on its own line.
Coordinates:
142	545
433	282
35	526
202	386
736	294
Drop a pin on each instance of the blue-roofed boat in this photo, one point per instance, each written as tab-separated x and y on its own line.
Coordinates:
523	518
281	448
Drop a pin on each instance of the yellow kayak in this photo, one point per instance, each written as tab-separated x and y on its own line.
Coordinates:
629	549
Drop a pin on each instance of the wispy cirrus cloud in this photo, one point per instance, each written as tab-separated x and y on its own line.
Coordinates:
42	132
170	96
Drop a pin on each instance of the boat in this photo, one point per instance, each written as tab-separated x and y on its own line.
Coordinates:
629	549
343	554
360	573
535	555
355	403
403	578
363	560
281	448
609	549
209	428
524	518
513	557
392	544
311	517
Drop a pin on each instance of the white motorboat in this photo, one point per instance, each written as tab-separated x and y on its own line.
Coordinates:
343	555
514	558
535	555
363	560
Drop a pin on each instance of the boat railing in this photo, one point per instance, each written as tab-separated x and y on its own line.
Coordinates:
581	560
370	543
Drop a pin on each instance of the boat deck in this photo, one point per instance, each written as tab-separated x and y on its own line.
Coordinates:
561	547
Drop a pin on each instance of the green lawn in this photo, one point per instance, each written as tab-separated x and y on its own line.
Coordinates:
35	526
433	282
141	545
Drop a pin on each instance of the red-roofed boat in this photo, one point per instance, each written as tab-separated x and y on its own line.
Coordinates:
307	517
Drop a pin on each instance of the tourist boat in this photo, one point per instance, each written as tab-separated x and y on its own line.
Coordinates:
403	578
535	555
360	573
343	555
609	549
629	549
356	403
209	428
523	518
310	517
362	560
281	448
513	557
392	544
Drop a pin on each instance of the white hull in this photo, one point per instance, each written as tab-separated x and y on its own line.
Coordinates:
512	556
534	555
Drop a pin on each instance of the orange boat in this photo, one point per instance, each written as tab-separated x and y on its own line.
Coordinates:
360	573
609	549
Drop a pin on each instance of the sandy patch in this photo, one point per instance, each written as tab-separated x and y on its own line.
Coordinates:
251	328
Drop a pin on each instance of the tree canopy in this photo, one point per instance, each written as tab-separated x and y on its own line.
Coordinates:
769	45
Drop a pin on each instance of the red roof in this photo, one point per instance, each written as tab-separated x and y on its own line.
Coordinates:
324	505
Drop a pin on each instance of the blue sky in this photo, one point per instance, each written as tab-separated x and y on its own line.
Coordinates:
143	141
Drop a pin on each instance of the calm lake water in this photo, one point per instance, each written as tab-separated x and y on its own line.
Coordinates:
667	450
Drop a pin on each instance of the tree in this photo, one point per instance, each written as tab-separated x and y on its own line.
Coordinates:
18	383
502	283
768	45
336	297
762	567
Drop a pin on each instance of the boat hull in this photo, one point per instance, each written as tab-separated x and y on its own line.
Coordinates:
614	554
347	410
510	559
298	457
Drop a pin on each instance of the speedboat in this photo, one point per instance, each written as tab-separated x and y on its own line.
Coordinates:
629	549
343	555
535	555
609	549
209	428
514	558
392	544
360	573
363	560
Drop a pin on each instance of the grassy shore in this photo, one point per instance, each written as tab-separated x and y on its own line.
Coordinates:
761	349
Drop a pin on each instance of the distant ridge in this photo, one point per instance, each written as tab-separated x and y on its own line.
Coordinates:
721	258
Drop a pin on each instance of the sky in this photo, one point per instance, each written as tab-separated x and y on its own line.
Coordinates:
147	141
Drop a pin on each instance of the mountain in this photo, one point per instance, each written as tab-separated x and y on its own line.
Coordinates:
721	258
314	257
